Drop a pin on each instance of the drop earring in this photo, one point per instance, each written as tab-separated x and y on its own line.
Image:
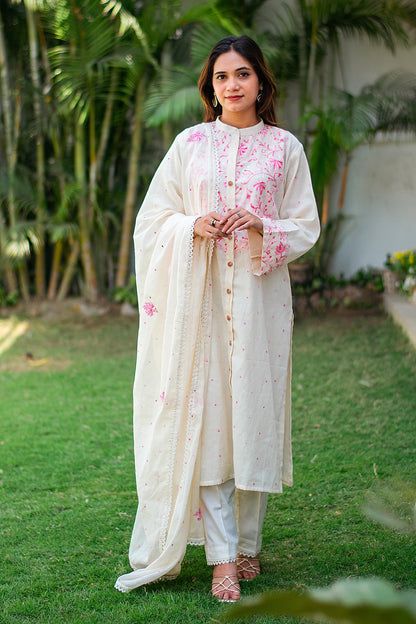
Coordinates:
214	101
260	95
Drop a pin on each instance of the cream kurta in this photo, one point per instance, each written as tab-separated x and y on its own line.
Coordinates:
212	386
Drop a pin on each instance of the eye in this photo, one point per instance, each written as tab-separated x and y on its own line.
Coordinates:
244	74
220	77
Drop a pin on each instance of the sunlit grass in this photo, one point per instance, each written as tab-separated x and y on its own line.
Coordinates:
67	495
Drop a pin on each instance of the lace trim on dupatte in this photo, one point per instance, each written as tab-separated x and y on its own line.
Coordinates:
179	380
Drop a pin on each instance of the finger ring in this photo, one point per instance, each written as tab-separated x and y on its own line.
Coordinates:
213	222
238	215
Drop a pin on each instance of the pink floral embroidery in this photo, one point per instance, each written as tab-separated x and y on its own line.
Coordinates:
149	308
196	136
260	186
198	514
277	164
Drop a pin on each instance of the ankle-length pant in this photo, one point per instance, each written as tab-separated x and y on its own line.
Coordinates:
233	521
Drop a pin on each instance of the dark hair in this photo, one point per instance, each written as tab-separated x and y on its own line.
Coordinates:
253	54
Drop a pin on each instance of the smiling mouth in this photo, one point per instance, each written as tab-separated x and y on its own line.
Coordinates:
234	97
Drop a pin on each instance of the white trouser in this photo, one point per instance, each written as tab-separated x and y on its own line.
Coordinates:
233	521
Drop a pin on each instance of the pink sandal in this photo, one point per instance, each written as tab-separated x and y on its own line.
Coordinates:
247	564
225	584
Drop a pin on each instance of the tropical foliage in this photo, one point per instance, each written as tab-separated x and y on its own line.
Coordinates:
92	92
352	601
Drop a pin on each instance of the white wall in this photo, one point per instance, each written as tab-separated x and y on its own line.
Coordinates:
381	191
380	206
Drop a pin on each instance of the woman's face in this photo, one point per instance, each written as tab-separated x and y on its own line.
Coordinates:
236	86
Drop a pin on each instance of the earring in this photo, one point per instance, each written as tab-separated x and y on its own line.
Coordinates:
215	101
260	95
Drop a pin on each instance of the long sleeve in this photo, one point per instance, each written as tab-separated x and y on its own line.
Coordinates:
297	227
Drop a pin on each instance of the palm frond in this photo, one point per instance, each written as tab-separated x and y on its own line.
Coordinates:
345	121
81	63
62	231
205	37
394	95
173	99
244	11
19	238
129	23
22	188
375	19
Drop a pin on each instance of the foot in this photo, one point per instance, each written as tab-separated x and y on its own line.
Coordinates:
225	586
247	567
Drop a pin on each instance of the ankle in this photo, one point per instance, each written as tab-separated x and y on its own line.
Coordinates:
228	569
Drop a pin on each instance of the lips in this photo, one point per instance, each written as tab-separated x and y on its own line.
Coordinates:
234	98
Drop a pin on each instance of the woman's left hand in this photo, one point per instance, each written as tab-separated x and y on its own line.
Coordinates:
239	219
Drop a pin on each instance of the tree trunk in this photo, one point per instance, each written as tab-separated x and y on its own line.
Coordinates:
56	263
106	125
40	153
6	109
69	272
303	63
310	75
132	180
325	206
55	139
341	199
91	284
310	78
24	282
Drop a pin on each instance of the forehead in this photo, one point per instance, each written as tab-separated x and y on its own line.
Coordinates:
230	61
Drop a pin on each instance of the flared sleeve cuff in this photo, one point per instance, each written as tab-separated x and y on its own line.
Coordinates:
296	230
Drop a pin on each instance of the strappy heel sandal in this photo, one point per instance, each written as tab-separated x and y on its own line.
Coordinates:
247	564
225	584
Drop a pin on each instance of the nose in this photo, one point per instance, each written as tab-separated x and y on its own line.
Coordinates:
233	84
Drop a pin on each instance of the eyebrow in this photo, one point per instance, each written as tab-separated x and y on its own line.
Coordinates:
238	69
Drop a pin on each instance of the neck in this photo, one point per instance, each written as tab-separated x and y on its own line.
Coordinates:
240	121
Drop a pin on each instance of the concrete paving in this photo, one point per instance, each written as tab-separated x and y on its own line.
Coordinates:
403	312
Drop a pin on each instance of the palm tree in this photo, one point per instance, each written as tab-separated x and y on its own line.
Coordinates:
150	29
84	77
13	242
321	25
30	10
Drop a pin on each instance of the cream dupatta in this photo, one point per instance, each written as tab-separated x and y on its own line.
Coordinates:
173	277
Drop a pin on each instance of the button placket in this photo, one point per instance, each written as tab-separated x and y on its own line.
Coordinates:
229	274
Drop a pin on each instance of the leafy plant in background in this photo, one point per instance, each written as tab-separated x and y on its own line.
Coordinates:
76	77
128	293
354	601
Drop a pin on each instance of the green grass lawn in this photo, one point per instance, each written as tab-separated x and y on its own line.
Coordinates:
67	495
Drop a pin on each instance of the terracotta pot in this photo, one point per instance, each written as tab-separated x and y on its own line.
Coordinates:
390	282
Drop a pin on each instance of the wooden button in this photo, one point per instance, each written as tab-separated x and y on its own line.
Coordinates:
228	291
230	342
230	183
230	263
228	317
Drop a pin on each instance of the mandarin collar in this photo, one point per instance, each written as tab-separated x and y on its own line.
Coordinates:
251	130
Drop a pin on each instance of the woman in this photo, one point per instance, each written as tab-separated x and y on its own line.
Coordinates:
230	205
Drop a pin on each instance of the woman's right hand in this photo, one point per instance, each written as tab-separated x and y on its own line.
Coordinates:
207	226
